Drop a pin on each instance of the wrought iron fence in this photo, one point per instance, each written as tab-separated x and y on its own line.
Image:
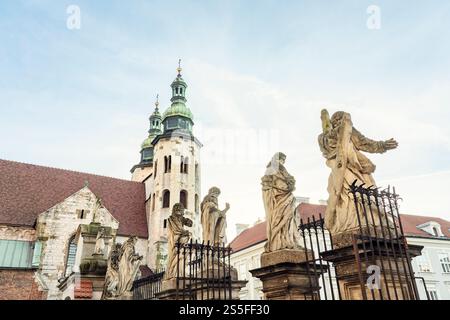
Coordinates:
380	242
204	271
147	288
322	277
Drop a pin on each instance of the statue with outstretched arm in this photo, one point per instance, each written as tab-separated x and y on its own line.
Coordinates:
343	145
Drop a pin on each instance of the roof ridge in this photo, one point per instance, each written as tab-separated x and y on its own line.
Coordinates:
420	216
68	170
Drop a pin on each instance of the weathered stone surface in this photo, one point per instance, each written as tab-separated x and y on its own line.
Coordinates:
287	275
283	256
279	204
342	146
214	221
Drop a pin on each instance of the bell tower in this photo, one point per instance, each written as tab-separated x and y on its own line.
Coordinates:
144	168
176	172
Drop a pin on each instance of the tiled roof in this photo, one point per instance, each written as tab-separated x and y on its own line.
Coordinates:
83	290
257	233
410	223
28	190
249	237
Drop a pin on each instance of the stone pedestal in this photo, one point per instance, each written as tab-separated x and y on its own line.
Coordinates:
288	275
351	263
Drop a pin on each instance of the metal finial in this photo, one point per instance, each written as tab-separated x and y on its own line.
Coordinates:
179	69
157	101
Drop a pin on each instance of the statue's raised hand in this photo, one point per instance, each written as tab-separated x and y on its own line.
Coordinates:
390	144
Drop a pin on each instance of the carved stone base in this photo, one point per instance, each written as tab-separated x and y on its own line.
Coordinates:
287	275
351	270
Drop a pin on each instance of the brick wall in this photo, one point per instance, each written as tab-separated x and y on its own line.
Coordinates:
19	285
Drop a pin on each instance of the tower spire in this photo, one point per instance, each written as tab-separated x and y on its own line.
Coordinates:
179	69
157	102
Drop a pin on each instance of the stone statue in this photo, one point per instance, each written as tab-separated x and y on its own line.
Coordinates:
341	145
176	234
123	266
112	273
214	221
100	242
279	204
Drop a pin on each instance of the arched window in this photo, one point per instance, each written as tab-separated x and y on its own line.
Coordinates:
197	172
184	164
183	198
70	256
167	164
196	203
166	199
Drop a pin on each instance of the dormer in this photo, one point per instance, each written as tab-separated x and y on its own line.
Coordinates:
431	227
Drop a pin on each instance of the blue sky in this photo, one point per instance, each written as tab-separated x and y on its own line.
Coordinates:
79	99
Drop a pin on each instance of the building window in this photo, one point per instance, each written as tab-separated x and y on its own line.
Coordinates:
197	172
433	295
153	203
166	199
165	224
183	198
156	168
167	164
81	214
196	203
445	262
423	263
242	272
71	255
184	165
172	123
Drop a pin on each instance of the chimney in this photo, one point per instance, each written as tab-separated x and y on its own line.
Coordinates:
240	227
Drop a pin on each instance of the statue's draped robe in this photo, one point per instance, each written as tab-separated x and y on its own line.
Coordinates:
128	268
279	204
213	222
177	233
342	146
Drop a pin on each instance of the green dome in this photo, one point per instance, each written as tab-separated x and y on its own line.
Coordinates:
178	109
147	143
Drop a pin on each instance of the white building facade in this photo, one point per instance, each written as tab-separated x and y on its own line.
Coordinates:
431	268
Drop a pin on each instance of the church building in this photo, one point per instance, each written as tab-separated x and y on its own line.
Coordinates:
50	218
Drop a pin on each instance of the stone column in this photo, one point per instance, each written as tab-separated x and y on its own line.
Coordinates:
288	275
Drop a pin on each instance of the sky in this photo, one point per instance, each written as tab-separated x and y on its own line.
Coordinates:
259	72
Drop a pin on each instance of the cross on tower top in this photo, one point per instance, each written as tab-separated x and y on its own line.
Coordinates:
179	69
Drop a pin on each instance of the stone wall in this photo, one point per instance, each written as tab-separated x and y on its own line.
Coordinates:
19	285
17	233
55	228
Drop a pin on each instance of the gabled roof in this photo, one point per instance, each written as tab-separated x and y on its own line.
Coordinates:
257	233
28	190
410	223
